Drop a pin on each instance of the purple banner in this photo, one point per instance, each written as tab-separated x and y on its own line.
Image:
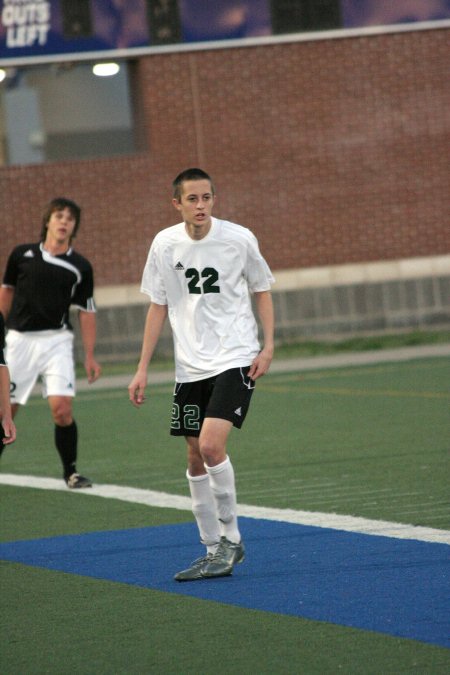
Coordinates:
45	28
40	28
359	13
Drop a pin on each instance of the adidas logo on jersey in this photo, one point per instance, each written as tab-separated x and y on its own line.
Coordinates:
238	411
28	254
179	266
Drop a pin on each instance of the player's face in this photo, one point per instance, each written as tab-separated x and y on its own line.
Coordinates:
61	225
195	206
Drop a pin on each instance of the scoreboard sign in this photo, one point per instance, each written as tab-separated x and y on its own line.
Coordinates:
38	31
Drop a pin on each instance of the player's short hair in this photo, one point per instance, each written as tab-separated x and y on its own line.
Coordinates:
189	174
58	204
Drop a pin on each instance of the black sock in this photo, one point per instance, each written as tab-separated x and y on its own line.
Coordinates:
66	441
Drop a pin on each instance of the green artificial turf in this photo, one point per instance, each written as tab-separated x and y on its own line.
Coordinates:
367	441
65	624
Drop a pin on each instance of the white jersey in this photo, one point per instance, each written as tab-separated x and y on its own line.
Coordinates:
206	285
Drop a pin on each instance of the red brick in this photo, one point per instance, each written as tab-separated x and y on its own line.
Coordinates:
332	152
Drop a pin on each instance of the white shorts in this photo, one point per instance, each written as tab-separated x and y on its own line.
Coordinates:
47	354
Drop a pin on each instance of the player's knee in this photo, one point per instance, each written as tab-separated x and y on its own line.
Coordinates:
62	415
194	458
211	452
196	466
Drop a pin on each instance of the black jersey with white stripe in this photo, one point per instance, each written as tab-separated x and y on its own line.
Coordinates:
45	286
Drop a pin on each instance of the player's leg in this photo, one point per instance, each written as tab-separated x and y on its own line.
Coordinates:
213	439
220	471
22	358
227	407
203	508
203	502
187	414
212	444
66	440
58	375
210	473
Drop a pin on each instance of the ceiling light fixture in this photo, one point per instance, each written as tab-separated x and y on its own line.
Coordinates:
105	69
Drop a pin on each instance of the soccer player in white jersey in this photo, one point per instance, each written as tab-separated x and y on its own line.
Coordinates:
7	423
41	281
201	273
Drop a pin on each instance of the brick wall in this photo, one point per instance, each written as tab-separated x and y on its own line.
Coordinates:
332	151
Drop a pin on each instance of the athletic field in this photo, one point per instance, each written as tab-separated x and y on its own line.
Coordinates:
342	478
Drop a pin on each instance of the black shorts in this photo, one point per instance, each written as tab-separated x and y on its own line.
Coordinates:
226	396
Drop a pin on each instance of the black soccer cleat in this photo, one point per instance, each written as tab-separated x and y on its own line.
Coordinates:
76	482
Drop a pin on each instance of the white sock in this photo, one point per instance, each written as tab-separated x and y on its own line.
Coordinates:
223	487
204	510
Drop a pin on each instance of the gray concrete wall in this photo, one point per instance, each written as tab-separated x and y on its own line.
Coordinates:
316	312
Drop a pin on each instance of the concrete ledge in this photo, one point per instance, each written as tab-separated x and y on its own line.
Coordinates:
310	277
358	273
120	296
329	303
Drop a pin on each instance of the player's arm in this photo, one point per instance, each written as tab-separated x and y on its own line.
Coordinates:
5	407
6	300
6	419
264	308
88	329
154	324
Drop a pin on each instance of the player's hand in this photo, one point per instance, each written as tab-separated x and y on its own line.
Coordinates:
93	370
261	364
10	430
136	389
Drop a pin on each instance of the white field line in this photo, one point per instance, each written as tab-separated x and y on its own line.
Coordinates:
164	500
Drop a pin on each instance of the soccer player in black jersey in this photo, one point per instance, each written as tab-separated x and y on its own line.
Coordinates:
41	282
7	424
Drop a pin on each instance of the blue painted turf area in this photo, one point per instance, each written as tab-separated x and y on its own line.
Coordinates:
393	586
